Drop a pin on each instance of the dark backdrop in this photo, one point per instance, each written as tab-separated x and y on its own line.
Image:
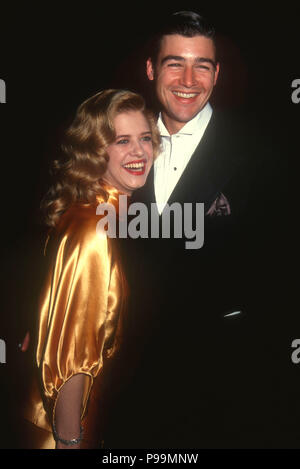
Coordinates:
52	58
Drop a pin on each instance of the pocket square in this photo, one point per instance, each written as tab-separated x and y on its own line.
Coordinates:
220	206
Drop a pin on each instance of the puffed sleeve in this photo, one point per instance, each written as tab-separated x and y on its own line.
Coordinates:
76	308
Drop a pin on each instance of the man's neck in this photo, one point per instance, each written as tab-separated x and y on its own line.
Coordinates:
171	125
174	126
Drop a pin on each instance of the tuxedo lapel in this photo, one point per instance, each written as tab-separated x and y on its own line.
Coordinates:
210	167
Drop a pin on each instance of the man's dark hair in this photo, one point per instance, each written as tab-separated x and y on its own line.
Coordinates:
184	23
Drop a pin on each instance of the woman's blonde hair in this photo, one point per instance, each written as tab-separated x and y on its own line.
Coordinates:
83	158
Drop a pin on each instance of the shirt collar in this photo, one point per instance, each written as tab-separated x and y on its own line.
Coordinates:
190	127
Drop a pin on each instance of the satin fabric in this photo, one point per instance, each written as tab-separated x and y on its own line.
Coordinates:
82	308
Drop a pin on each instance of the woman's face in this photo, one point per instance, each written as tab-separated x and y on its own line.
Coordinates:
131	155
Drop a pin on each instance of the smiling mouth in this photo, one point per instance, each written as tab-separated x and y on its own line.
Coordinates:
183	95
136	167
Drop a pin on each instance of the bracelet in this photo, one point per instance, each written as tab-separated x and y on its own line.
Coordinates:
72	442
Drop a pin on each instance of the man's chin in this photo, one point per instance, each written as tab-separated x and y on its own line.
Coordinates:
184	115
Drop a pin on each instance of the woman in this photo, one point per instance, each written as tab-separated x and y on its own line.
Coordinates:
107	151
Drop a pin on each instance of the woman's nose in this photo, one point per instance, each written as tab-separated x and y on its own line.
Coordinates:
137	149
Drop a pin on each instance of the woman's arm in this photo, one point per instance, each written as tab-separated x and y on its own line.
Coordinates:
68	411
75	320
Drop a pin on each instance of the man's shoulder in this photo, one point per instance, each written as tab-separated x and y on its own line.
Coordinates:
241	122
230	121
240	132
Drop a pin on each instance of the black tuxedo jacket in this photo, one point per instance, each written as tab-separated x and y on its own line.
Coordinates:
199	321
223	164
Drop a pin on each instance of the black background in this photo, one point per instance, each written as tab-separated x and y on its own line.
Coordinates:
54	56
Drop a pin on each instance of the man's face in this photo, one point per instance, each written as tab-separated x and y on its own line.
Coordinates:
184	76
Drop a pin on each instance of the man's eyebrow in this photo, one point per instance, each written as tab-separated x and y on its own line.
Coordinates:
171	57
182	59
205	60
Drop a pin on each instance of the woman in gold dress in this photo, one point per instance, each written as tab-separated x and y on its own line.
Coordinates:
107	151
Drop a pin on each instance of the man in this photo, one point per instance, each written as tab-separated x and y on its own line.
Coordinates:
203	377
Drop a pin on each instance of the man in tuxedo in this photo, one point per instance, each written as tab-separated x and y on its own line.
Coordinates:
199	321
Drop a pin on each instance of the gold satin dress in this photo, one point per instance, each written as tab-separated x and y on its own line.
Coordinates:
81	313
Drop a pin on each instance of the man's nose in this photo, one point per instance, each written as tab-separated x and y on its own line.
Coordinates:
188	77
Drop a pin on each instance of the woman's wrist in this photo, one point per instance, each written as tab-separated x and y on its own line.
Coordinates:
75	441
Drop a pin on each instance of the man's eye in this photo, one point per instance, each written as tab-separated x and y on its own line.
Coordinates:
205	68
175	64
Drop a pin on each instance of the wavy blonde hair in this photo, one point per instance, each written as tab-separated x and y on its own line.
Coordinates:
82	155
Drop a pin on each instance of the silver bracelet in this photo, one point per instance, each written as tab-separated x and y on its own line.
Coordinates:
72	442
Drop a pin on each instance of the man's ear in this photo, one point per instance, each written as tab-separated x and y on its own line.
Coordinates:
150	71
217	72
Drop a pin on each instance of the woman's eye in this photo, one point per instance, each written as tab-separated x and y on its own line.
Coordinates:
123	141
147	138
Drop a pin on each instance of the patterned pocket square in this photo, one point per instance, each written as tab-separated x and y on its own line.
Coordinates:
219	207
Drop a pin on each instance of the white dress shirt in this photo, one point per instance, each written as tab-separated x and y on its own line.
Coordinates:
177	150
